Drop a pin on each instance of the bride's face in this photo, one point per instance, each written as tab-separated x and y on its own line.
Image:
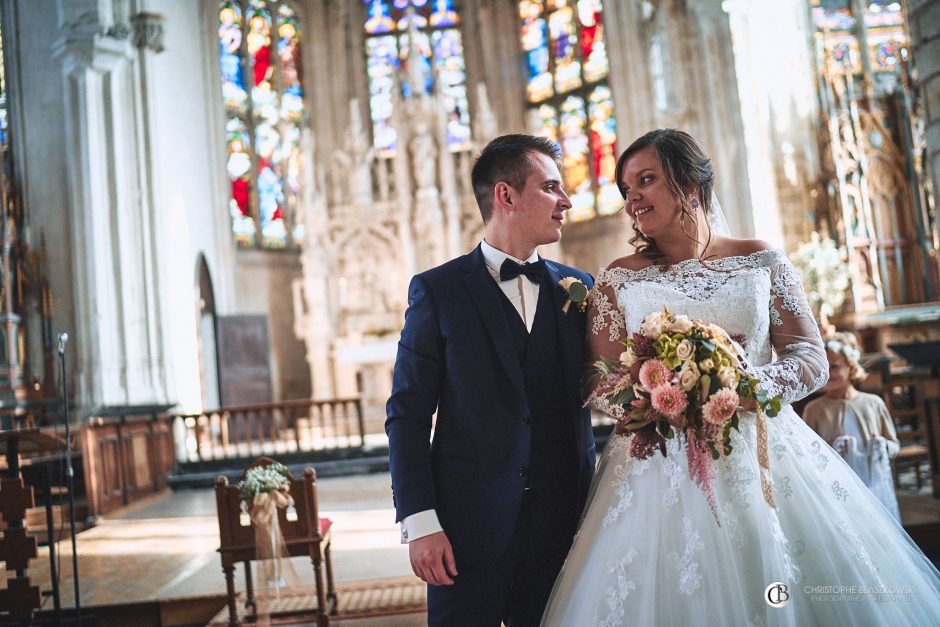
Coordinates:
649	201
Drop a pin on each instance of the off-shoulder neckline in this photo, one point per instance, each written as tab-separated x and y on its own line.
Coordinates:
758	255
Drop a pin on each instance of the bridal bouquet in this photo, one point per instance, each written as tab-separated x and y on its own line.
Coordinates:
679	375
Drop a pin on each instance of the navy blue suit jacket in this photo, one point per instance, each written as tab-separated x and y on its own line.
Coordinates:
456	358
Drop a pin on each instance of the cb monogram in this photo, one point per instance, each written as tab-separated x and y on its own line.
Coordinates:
777	594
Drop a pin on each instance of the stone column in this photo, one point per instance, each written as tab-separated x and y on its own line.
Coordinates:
924	18
115	325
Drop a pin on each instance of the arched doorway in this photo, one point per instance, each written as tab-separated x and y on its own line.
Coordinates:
206	330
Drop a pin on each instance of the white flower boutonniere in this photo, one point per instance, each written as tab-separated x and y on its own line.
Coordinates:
576	291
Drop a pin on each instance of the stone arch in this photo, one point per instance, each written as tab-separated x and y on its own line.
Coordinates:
206	336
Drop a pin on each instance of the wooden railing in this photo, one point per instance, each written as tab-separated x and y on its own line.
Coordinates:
271	428
127	454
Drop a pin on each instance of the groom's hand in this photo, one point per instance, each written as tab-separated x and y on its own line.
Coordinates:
432	559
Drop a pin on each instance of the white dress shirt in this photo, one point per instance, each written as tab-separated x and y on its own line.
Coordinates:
524	296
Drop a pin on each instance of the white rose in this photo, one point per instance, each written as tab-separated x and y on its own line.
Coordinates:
728	377
706	365
653	325
688	376
682	324
566	282
654	328
628	358
685	350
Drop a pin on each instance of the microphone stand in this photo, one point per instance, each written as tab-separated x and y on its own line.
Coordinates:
63	338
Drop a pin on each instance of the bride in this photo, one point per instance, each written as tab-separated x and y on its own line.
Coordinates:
650	550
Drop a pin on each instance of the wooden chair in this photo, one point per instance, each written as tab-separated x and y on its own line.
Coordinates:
309	535
905	403
911	452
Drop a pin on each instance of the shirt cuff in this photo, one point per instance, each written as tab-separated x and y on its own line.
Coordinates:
419	525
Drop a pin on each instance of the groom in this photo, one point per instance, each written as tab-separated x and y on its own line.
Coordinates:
490	507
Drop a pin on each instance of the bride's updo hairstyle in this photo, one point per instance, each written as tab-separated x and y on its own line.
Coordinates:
686	166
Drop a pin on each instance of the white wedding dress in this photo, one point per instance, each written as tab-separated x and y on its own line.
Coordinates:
650	551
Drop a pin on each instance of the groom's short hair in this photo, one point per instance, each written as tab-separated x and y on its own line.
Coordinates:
506	159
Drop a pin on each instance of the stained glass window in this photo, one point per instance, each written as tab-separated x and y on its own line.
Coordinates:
569	100
389	26
835	24
259	56
4	133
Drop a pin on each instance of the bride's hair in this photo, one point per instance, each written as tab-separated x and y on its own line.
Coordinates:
686	166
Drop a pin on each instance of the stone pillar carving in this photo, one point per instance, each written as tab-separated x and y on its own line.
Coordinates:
148	31
448	184
313	321
428	222
356	158
401	168
485	126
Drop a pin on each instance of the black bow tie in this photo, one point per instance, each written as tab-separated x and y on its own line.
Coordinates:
533	271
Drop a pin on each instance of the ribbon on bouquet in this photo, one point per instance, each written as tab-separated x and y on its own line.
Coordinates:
763	452
275	572
763	458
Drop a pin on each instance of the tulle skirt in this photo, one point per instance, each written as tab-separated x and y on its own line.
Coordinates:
650	550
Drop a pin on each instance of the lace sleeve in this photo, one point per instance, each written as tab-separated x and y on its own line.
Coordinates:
606	332
801	367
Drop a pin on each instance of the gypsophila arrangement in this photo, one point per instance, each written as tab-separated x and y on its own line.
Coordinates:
576	291
825	271
679	375
263	479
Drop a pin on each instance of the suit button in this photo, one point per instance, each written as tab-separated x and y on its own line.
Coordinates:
523	471
526	420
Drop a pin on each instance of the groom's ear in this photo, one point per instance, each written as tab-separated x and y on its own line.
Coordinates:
503	196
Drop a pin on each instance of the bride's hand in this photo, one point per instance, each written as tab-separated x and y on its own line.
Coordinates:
748	404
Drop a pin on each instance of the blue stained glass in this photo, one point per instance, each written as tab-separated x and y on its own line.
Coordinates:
578	55
423	59
264	55
444	14
381	65
534	42
533	34
440	66
419	21
380	20
537	61
234	91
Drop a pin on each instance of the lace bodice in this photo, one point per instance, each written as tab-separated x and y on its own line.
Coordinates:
757	296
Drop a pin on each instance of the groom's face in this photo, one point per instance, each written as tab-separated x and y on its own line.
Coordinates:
541	204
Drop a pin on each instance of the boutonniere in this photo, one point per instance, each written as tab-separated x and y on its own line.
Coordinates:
576	292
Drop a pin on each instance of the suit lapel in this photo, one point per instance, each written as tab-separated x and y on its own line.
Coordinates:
483	290
570	335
